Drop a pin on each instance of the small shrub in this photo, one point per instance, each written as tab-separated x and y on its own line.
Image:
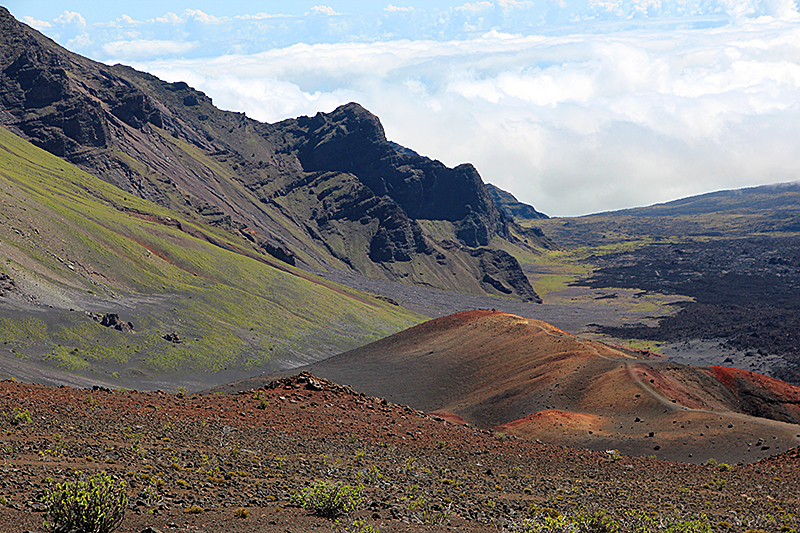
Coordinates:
551	521
358	526
360	456
717	484
241	512
330	500
595	523
19	417
193	509
371	476
96	505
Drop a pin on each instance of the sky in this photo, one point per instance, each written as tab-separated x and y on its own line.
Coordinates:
573	106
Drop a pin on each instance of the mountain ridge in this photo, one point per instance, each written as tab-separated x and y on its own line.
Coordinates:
321	192
513	208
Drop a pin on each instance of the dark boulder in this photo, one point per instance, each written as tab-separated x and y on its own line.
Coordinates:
112	320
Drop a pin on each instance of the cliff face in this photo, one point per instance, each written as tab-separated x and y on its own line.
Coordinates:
320	192
512	207
352	140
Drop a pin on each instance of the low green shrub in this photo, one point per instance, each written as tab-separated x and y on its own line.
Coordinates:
550	521
330	500
96	505
19	417
358	526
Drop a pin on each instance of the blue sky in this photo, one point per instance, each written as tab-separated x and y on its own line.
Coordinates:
575	106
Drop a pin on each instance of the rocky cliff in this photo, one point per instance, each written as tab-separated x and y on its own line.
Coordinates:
512	207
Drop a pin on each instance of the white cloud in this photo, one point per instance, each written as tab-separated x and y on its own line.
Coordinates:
610	6
204	18
80	41
123	21
475	7
193	15
392	8
71	18
494	34
259	16
512	4
36	24
322	10
134	50
169	18
779	9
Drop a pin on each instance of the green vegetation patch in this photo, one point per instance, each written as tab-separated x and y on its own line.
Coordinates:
85	242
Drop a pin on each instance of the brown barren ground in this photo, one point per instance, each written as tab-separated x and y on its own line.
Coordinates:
254	449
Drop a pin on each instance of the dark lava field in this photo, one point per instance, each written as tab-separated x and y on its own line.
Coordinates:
746	293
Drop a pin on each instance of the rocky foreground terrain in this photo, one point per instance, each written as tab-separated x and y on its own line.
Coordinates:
194	462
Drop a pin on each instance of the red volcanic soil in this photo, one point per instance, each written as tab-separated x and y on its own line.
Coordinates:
564	420
254	449
773	397
529	378
450	417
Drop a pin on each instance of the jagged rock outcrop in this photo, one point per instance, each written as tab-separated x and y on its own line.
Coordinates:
60	101
501	272
6	284
398	238
112	320
512	207
173	337
351	139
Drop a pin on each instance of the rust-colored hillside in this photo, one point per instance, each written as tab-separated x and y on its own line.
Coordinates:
528	378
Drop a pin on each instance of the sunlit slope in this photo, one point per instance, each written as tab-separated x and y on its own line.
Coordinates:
528	378
72	244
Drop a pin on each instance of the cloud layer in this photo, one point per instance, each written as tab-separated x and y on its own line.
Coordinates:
572	124
627	103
